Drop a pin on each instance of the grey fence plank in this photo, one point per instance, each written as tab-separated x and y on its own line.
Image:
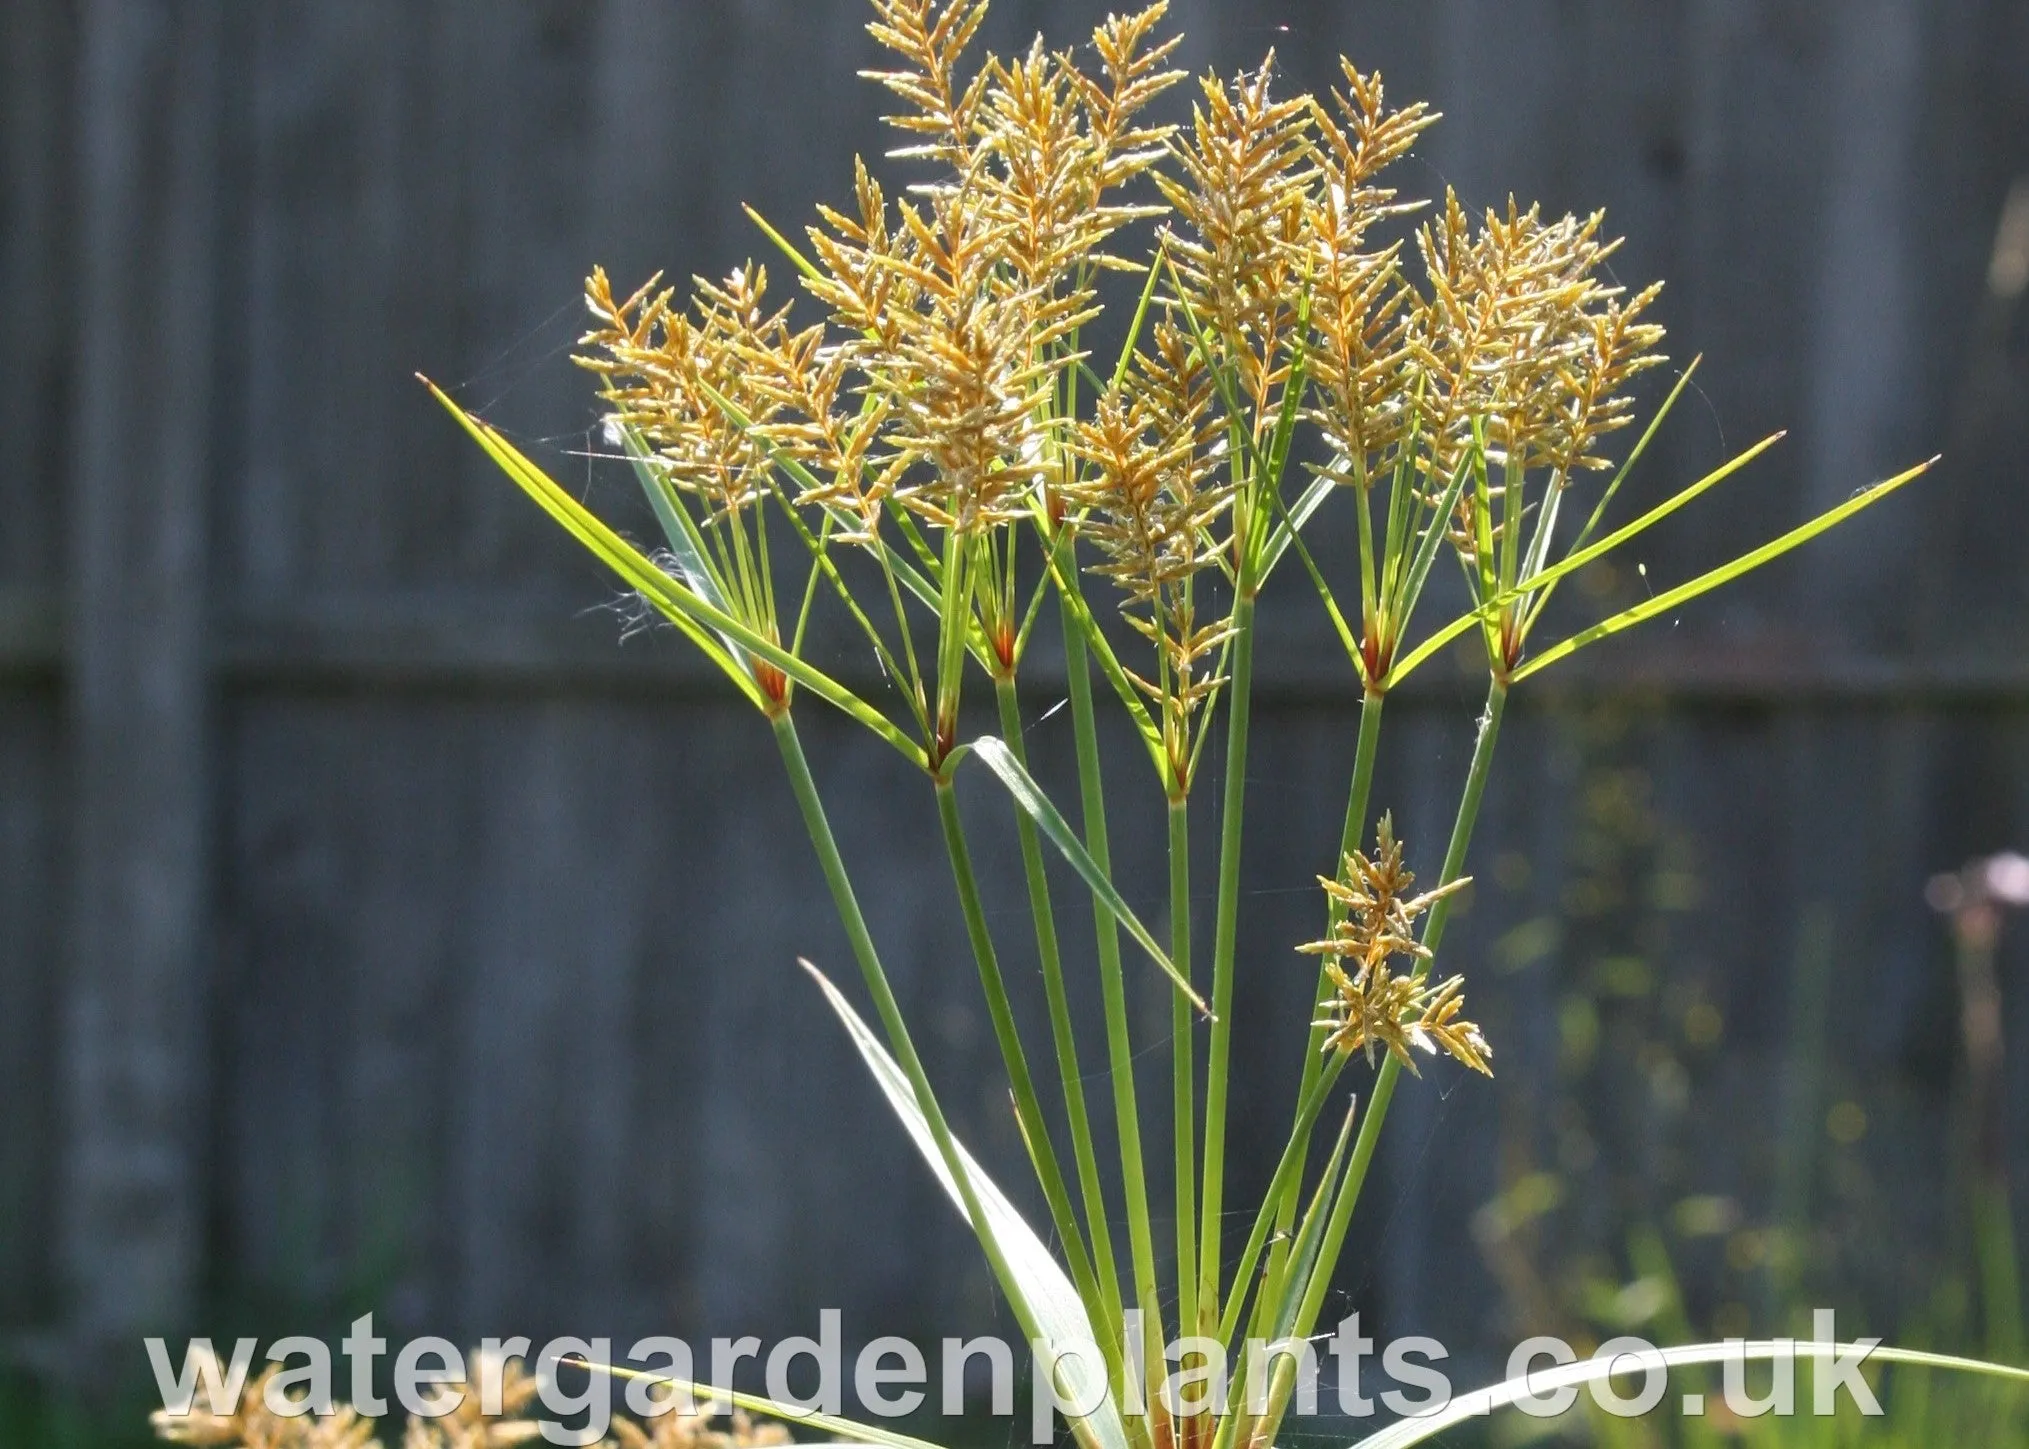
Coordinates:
37	62
132	1067
34	819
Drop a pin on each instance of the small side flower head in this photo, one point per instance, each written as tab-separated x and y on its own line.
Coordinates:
1374	923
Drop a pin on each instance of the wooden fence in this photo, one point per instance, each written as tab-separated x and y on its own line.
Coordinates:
377	928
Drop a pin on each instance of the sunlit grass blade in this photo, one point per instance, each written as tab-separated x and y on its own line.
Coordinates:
1292	400
824	567
1400	609
694	560
788	248
1634	455
1725	573
1347	639
1310	1236
633	567
1029	796
1286	1296
686	545
1101	649
1063	1032
1040	1290
1294	518
1035	607
1480	1402
1579	558
911	577
1112	984
1222	375
846	1431
683	606
1120	366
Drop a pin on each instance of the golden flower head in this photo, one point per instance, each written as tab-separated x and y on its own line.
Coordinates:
1246	163
1359	363
677	378
469	1426
679	1430
1152	496
254	1425
1520	337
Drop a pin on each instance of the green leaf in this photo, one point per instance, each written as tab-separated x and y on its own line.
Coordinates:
802	263
1579	558
682	605
686	545
1155	265
1426	549
997	757
910	577
848	1431
1044	1289
1287	1172
1298	514
1347	641
1634	455
1725	573
1303	1258
1222	374
634	568
1411	1432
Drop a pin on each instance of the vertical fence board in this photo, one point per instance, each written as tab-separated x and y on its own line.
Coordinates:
147	118
33	822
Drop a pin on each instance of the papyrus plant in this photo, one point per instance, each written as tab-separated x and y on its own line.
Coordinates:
926	441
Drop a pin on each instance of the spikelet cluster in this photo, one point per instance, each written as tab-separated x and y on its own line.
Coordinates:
677	377
695	1431
948	309
468	1426
1360	361
1520	335
1153	493
1378	1002
254	1426
946	376
1245	165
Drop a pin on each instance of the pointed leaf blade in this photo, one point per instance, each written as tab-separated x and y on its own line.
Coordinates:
1725	573
1410	1432
1029	796
849	1431
1059	1314
684	607
1579	557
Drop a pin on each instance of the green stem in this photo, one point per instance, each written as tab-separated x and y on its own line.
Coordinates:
854	921
1183	1100
1350	835
1108	1308
1224	941
2000	1272
1391	1067
953	614
1112	981
1028	1109
1288	1171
